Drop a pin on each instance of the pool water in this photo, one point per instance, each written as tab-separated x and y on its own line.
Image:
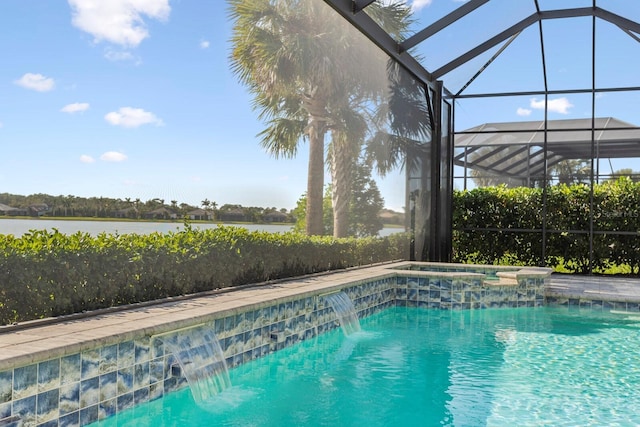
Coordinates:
414	367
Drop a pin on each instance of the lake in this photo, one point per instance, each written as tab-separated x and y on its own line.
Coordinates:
18	227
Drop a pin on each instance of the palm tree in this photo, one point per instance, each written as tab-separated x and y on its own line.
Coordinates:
304	65
214	206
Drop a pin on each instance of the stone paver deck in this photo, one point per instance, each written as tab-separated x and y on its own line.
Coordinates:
595	287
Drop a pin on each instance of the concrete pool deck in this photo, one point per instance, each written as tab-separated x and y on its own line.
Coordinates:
33	341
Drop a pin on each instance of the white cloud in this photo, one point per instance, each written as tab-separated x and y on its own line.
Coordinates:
113	156
117	21
420	4
114	55
87	159
36	82
204	44
132	118
523	112
76	107
558	105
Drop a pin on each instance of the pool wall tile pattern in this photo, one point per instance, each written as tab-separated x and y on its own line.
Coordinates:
82	388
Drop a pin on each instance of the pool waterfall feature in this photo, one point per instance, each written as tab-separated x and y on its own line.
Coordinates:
346	312
201	360
114	368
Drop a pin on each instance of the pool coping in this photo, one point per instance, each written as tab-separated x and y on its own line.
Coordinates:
51	338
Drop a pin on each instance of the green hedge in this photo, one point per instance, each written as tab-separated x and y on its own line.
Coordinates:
47	273
504	213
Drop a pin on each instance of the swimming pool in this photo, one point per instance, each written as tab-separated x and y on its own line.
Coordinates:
410	366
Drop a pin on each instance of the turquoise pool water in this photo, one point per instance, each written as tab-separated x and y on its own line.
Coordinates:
413	367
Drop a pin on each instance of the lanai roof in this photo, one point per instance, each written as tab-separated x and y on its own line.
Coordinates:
516	148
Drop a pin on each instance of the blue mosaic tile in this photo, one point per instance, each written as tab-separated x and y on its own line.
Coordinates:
90	364
288	309
218	327
156	391
108	386
457	297
25	381
125	401
47	405
279	313
125	380
239	324
107	408
142	350
141	376
70	420
309	304
298	307
89	415
26	410
108	358
70	369
69	398
89	392
5	410
127	354
141	395
445	296
48	375
230	324
156	370
6	386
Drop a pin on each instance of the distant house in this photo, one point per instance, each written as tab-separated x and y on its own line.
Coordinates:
275	217
130	212
38	209
9	210
200	215
232	215
160	213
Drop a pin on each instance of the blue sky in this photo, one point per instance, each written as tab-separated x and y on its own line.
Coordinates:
134	98
95	108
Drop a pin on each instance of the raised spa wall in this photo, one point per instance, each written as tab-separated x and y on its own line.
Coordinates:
81	388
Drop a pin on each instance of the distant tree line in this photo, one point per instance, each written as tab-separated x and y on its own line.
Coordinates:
156	208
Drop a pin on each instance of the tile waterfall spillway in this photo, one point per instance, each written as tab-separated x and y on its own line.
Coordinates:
345	310
200	357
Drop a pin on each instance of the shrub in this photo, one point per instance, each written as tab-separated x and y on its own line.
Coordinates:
499	224
47	273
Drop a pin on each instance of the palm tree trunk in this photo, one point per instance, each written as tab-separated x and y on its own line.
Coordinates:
315	178
342	160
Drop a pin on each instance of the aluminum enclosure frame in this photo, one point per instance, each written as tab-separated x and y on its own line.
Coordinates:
354	12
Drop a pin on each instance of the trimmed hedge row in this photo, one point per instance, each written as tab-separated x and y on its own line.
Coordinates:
47	273
505	215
